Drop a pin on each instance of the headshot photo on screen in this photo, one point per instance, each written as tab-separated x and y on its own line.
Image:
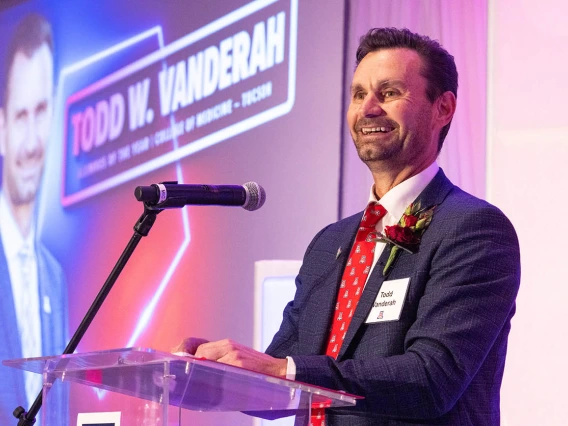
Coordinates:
33	306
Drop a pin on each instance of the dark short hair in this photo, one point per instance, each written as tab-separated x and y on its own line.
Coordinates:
439	66
31	33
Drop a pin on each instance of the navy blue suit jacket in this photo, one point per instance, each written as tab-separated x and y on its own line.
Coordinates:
52	287
442	362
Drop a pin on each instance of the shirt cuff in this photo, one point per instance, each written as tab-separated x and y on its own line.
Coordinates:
290	368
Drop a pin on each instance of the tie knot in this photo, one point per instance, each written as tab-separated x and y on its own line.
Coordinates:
373	213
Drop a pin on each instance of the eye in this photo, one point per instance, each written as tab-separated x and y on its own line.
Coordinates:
389	94
41	107
359	95
21	115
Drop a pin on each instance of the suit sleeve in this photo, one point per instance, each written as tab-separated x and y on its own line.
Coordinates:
462	321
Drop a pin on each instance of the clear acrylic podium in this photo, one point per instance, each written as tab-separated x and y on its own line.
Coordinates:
144	387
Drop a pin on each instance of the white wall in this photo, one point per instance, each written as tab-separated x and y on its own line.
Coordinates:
527	178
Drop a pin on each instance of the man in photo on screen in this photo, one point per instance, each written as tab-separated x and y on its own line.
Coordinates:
33	303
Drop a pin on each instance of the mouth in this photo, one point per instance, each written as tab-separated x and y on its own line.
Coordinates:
30	169
371	130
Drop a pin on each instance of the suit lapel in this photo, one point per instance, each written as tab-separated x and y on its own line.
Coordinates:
45	304
324	295
10	347
432	195
436	191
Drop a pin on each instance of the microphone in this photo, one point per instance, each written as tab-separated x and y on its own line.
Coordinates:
168	195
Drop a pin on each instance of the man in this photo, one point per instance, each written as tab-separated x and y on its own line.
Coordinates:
33	306
424	338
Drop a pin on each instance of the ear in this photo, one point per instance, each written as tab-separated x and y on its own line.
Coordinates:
445	108
2	133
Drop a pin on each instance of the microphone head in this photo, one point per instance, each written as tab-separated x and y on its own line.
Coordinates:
255	196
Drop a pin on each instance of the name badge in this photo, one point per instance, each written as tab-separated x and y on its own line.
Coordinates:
389	302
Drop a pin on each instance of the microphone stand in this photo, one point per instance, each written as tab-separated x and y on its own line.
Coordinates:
141	229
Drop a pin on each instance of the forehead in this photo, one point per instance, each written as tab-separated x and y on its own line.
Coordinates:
30	75
399	64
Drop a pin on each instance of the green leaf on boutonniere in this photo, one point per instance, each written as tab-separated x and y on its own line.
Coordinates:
392	257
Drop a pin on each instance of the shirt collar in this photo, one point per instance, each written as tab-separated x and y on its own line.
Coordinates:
12	239
397	199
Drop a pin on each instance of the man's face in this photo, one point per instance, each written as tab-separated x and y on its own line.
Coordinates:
391	120
25	123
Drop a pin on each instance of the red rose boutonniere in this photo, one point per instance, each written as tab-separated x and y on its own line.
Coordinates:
406	235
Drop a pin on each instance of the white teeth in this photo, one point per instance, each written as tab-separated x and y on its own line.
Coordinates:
368	130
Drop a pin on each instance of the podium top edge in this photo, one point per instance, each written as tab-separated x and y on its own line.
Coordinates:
139	356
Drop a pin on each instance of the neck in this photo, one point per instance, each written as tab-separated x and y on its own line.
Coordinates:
23	216
386	179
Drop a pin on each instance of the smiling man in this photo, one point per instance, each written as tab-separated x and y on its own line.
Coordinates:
408	303
33	306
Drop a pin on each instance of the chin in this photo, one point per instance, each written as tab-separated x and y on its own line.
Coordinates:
27	195
371	154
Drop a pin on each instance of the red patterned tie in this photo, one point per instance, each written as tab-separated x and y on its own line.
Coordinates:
352	283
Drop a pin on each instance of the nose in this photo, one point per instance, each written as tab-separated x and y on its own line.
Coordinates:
371	106
33	140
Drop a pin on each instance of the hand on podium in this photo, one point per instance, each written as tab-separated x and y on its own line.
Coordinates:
230	352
